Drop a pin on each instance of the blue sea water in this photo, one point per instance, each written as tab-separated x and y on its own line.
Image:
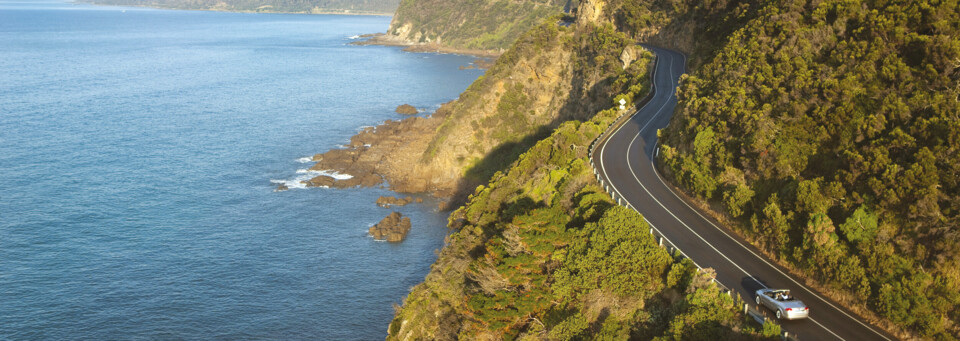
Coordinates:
137	149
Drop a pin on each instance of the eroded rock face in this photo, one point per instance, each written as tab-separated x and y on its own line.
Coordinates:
393	228
281	188
406	109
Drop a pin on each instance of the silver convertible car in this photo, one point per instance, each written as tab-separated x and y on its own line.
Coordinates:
781	301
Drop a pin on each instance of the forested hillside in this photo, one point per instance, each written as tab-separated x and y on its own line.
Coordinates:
551	75
825	131
829	132
280	6
542	252
470	25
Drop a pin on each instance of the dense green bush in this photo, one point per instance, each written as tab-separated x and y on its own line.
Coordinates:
543	251
831	130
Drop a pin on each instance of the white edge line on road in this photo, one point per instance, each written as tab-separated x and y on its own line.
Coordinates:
719	229
634	174
740	244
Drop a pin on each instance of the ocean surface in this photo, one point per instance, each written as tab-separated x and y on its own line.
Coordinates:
139	153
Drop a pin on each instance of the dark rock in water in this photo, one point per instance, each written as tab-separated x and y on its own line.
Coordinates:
363	180
393	228
444	206
387	202
407	109
320	181
281	188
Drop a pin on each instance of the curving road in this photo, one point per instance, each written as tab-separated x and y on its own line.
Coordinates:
625	160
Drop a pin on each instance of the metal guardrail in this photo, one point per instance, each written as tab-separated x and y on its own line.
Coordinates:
756	314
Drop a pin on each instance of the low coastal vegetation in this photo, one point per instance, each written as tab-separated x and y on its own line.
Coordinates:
470	25
542	252
825	132
275	6
554	73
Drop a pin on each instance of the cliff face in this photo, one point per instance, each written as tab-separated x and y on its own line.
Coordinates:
468	24
826	130
541	252
552	74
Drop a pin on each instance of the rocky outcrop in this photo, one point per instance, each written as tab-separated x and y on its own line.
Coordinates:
426	47
320	181
469	24
386	202
590	11
393	228
630	54
365	180
281	187
527	92
394	150
406	109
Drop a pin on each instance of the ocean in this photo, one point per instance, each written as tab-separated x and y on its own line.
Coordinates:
139	153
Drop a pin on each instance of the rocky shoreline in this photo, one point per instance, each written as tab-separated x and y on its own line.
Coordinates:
384	39
390	152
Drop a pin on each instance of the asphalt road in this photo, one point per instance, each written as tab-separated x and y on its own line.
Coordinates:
626	161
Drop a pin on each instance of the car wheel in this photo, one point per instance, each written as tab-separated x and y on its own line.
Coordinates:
778	314
758	299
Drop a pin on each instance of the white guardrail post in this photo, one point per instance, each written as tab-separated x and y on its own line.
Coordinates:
623	202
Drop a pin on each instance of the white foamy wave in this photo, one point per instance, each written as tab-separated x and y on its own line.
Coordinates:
305	159
291	184
372	128
305	175
327	172
354	37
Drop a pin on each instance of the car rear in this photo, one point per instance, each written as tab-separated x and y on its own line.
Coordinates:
795	310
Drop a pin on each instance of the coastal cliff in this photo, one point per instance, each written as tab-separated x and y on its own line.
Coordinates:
554	73
484	25
882	165
541	251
